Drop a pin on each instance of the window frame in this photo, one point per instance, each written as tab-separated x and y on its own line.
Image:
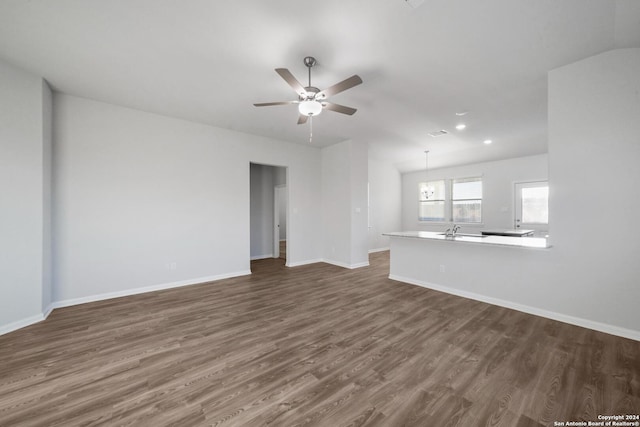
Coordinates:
453	199
448	200
421	201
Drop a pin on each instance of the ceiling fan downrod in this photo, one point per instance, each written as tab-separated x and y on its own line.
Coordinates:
309	61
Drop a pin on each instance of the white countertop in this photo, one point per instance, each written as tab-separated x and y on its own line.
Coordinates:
522	242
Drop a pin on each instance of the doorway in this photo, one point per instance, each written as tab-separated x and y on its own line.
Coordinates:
268	211
532	206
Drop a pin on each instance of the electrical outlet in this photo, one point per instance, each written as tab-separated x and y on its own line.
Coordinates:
442	268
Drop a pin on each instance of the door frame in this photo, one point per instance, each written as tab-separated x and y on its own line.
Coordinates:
277	190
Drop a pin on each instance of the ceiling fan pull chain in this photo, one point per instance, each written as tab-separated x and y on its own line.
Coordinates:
310	128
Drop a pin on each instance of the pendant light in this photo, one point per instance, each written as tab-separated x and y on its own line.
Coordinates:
427	191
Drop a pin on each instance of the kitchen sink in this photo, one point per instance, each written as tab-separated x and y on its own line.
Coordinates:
464	235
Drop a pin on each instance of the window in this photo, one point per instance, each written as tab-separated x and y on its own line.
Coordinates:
466	200
463	203
431	201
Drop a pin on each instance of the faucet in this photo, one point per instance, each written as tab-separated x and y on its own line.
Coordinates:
451	232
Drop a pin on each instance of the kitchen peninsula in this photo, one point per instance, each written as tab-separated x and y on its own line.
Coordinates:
500	270
486	239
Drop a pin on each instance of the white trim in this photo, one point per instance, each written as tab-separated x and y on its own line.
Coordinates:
360	265
345	265
265	256
75	301
328	261
135	291
379	249
47	311
19	324
306	262
589	324
26	322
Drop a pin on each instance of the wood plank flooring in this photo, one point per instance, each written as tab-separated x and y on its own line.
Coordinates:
315	345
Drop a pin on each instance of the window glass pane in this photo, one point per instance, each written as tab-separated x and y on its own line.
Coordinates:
468	188
431	211
535	205
432	190
467	211
466	203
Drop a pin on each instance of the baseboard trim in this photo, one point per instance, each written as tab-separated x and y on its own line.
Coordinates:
47	311
345	265
265	256
153	288
306	262
577	321
31	320
328	261
19	324
379	250
22	323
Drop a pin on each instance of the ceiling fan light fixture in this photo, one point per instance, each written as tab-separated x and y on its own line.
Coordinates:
310	107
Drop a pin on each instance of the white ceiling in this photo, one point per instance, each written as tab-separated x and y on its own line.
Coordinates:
209	61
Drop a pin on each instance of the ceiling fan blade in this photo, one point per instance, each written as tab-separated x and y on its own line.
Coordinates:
267	104
339	108
295	84
302	119
352	81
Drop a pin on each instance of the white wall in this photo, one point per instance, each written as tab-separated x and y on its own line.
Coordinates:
344	204
336	203
385	203
359	175
594	155
498	180
24	211
138	194
47	185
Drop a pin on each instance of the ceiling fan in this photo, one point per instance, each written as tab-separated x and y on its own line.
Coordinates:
311	100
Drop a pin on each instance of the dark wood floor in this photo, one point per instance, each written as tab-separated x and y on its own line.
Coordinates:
315	345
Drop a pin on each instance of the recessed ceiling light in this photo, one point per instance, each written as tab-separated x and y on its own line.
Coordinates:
487	141
461	126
